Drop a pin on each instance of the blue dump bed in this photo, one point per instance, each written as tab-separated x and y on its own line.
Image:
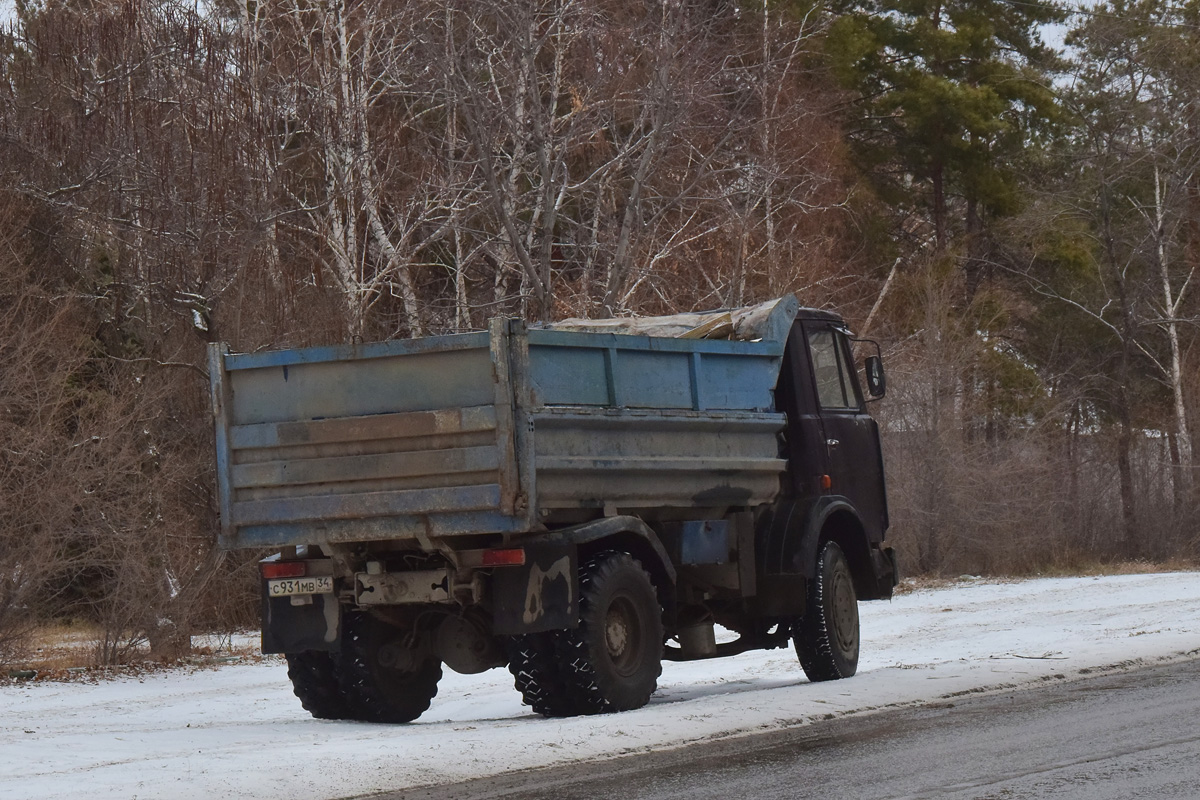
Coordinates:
491	432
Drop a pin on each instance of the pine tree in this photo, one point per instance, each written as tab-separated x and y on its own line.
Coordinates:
949	93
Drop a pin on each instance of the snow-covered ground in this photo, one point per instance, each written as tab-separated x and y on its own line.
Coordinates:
237	731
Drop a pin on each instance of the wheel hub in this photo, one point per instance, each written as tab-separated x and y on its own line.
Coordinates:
616	632
845	612
395	657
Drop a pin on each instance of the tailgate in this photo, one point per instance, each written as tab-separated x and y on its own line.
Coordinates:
400	439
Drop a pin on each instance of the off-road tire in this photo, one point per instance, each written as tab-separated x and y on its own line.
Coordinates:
612	661
827	636
315	681
376	691
533	662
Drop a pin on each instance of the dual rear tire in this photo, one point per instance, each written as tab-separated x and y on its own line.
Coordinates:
611	661
315	681
378	676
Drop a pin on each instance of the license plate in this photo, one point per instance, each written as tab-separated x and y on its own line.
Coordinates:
285	587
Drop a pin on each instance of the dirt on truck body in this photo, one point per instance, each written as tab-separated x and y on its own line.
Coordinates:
577	501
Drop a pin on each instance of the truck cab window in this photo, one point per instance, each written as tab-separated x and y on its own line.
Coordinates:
835	386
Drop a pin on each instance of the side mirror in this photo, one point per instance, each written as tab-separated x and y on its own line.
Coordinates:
876	380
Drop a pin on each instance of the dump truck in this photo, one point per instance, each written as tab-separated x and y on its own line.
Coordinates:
576	501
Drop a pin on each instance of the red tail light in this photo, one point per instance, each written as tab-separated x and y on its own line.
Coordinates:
511	557
283	569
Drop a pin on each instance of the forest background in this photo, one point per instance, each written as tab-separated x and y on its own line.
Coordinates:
1018	225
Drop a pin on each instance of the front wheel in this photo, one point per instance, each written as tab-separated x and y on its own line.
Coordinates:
612	661
826	637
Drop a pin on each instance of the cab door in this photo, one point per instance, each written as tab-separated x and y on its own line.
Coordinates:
850	437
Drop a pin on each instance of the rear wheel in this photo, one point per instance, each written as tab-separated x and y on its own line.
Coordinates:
383	677
315	681
533	662
826	637
612	661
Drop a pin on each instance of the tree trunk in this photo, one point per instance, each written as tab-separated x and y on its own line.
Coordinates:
1171	307
1129	544
937	175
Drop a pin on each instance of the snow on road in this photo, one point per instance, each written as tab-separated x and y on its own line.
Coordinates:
237	731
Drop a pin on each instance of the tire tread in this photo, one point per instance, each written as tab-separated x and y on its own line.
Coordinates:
812	634
314	680
583	683
366	698
533	662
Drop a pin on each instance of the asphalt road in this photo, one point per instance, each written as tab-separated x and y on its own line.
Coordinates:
1132	735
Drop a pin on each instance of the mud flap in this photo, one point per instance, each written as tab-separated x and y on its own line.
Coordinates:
887	572
288	628
541	595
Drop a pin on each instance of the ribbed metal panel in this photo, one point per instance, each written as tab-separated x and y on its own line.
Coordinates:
415	463
672	460
370	442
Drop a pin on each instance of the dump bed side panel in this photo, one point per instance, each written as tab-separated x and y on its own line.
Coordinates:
651	423
391	440
477	433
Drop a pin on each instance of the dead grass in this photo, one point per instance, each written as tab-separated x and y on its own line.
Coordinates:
1086	570
922	584
60	646
1134	567
69	651
95	674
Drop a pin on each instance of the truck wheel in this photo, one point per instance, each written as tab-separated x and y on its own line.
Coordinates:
533	662
315	682
826	637
381	679
612	661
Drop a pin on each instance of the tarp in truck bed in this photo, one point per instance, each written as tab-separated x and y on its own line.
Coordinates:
769	321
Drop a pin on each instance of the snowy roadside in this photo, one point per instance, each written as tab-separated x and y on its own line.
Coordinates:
237	731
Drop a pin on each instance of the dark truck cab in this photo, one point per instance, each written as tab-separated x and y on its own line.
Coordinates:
576	503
